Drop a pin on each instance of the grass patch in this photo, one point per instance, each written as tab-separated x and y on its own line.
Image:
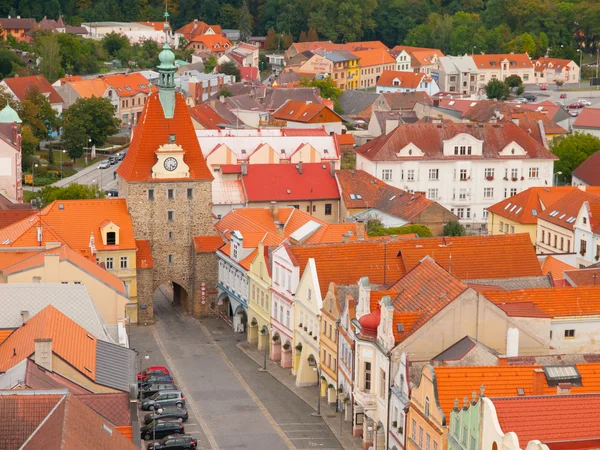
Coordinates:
348	160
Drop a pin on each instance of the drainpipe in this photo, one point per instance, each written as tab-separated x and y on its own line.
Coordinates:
337	366
389	400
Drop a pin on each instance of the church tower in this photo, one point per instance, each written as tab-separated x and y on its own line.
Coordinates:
168	188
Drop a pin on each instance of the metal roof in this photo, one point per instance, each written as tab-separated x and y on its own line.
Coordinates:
115	366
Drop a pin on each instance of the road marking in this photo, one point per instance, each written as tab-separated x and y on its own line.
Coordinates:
195	410
249	390
303	423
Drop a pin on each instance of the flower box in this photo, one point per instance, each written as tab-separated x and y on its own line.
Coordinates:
489	178
515	179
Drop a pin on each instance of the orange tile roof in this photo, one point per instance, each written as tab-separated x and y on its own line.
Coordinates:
143	257
583	277
564	211
206	116
375	57
420	56
9	258
66	253
555	267
196	28
502	381
126	430
95	87
152	131
4	334
208	244
129	84
556	302
297	111
158	26
494	61
20	86
70	342
556	63
57	219
345	139
557	418
524	309
525	206
10	216
407	80
214	42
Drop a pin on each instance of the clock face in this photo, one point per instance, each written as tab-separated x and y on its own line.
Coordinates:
170	164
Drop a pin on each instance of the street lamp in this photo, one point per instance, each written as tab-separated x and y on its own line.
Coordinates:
556	178
159	410
33	165
473	51
61	153
580	56
312	362
89	144
266	336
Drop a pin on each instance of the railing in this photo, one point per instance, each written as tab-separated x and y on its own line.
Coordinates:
366	399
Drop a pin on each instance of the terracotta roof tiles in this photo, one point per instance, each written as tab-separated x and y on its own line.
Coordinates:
589	170
583	277
207	117
374	57
555	267
554	63
10	216
495	61
129	84
404	80
297	111
564	211
20	86
214	42
208	244
588	118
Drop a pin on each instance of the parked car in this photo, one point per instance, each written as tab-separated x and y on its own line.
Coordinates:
543	88
112	193
151	370
120	156
521	100
104	164
175	443
164	398
157	379
161	429
530	97
563	95
149	391
167	413
573	113
112	160
575	106
584	102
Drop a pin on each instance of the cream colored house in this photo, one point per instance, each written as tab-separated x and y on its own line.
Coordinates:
259	302
328	342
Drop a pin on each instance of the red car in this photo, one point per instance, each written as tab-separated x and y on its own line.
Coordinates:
563	95
575	106
543	88
153	371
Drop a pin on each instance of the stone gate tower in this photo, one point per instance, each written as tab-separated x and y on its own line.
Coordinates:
168	188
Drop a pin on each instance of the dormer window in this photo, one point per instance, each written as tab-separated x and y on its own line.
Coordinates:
111	238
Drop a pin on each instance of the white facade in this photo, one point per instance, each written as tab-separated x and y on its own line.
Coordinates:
428	86
552	238
456	74
587	243
399	399
466	187
233	278
403	62
285	278
346	357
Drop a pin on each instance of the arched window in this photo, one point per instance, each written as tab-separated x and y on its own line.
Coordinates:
494	446
426	406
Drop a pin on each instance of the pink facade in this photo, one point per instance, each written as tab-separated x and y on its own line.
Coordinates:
10	162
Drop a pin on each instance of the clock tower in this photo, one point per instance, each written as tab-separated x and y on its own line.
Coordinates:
168	187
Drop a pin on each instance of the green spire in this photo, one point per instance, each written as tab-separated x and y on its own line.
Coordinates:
167	69
9	115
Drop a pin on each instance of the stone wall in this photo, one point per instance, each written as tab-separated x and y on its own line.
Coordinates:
144	299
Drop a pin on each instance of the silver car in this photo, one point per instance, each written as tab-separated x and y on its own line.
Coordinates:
162	399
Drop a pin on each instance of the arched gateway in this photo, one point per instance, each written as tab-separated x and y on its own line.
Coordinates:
168	188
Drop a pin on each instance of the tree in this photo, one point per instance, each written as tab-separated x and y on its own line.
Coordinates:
496	89
49	53
343	20
572	150
312	36
328	88
303	37
36	111
224	92
453	228
272	40
245	24
73	191
288	40
513	81
229	16
9	62
88	118
210	64
230	68
113	43
29	144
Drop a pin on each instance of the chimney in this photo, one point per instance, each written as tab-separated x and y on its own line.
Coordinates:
280	227
436	103
24	316
299	167
332	169
360	231
43	353
52	267
345	238
244	168
274	208
539	381
563	388
222	99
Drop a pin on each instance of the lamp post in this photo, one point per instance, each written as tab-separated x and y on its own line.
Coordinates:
473	50
315	365
556	178
89	144
157	409
265	331
33	166
580	59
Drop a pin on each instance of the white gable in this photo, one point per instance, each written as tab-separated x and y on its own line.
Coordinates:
409	151
463	144
513	149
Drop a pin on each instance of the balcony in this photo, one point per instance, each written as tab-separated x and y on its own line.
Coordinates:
367	400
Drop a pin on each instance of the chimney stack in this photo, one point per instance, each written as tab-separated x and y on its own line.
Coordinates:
43	353
244	168
332	169
24	316
274	208
539	381
299	167
345	238
280	227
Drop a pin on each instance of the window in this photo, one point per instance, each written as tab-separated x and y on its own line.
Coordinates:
489	173
123	262
190	193
512	229
488	192
582	247
506	228
462	194
464	436
543	235
427	441
562	242
420	437
327	209
434	174
170	215
170	194
485	213
426	406
513	191
386	174
109	263
410	175
367	377
534	172
463	174
569	334
460	212
413	430
514	173
468	213
150	194
435	445
382	383
584	220
111	238
170	259
171	235
433	194
472	446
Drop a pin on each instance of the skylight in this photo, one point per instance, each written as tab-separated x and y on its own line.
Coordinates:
507	206
513	208
562	217
519	210
451	103
562	374
554	213
358	196
534	212
352	197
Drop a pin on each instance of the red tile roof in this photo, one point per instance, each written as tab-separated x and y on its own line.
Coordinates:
404	80
588	118
297	111
555	63
420	56
304	132
158	26
113	407
10	216
377	194
557	418
208	244
556	302
494	61
214	42
70	342
143	257
197	28
152	131
331	47
564	211
21	85
129	84
583	277
207	117
555	267
405	101
345	139
286	183
589	170
523	309
525	206
374	57
430	137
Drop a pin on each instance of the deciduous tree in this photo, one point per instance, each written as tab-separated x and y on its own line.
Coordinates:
497	90
572	150
454	228
73	191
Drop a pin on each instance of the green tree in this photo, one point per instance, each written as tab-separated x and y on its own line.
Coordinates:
88	118
29	144
312	35
328	88
113	43
36	111
9	63
245	23
224	92
49	53
210	64
498	90
74	191
230	68
453	228
343	20
513	81
229	16
572	150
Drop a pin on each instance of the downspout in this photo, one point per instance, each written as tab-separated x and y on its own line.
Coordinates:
389	400
337	366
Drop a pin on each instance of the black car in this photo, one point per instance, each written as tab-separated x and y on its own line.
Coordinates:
168	413
149	391
175	443
157	379
112	160
530	97
162	429
121	156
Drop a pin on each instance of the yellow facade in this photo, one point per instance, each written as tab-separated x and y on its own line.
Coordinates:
353	75
501	225
328	342
122	264
259	302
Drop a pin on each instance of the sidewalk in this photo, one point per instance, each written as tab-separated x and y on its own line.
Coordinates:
341	429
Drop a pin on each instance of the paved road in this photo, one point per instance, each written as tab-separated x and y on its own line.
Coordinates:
552	94
234	405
